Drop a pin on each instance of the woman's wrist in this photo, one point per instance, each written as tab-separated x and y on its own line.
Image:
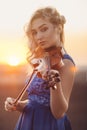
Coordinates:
20	105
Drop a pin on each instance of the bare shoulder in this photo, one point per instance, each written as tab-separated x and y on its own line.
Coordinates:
69	66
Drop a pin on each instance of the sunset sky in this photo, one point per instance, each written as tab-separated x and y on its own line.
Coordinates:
14	14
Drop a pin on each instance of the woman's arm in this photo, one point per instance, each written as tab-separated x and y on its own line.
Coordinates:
21	104
59	98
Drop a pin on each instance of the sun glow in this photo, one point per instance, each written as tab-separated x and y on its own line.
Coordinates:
13	61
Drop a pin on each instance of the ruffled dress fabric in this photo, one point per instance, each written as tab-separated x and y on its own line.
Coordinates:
37	114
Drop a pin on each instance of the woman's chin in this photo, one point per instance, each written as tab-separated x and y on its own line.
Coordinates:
45	47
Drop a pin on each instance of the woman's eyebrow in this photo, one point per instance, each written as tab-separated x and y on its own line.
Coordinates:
38	27
42	25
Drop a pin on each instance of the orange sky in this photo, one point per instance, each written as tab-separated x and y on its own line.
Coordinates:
76	45
12	50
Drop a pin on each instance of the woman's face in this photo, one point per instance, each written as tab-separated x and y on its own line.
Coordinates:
44	33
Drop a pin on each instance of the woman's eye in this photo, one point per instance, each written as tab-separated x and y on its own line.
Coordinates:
44	29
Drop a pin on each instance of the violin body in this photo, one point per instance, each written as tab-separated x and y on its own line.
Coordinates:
54	54
48	59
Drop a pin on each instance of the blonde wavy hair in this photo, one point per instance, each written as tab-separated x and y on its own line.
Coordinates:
54	17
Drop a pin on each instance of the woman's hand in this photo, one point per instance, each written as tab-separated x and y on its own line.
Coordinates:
52	77
10	106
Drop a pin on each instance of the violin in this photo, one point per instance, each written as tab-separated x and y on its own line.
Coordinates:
51	58
55	55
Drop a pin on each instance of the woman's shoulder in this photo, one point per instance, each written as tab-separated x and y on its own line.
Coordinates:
67	56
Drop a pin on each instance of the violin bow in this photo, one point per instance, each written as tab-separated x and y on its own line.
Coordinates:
21	94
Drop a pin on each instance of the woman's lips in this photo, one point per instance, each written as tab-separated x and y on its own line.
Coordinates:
42	43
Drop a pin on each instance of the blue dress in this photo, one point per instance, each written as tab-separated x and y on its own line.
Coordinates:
37	114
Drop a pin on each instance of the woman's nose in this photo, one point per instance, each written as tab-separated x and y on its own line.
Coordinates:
39	36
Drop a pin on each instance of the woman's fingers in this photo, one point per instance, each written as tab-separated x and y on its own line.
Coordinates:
53	73
9	104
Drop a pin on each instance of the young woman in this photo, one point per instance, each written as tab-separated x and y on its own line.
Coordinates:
48	102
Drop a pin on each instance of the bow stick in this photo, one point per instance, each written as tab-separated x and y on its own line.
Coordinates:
21	94
35	71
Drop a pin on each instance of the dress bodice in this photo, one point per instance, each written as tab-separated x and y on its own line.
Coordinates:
37	90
